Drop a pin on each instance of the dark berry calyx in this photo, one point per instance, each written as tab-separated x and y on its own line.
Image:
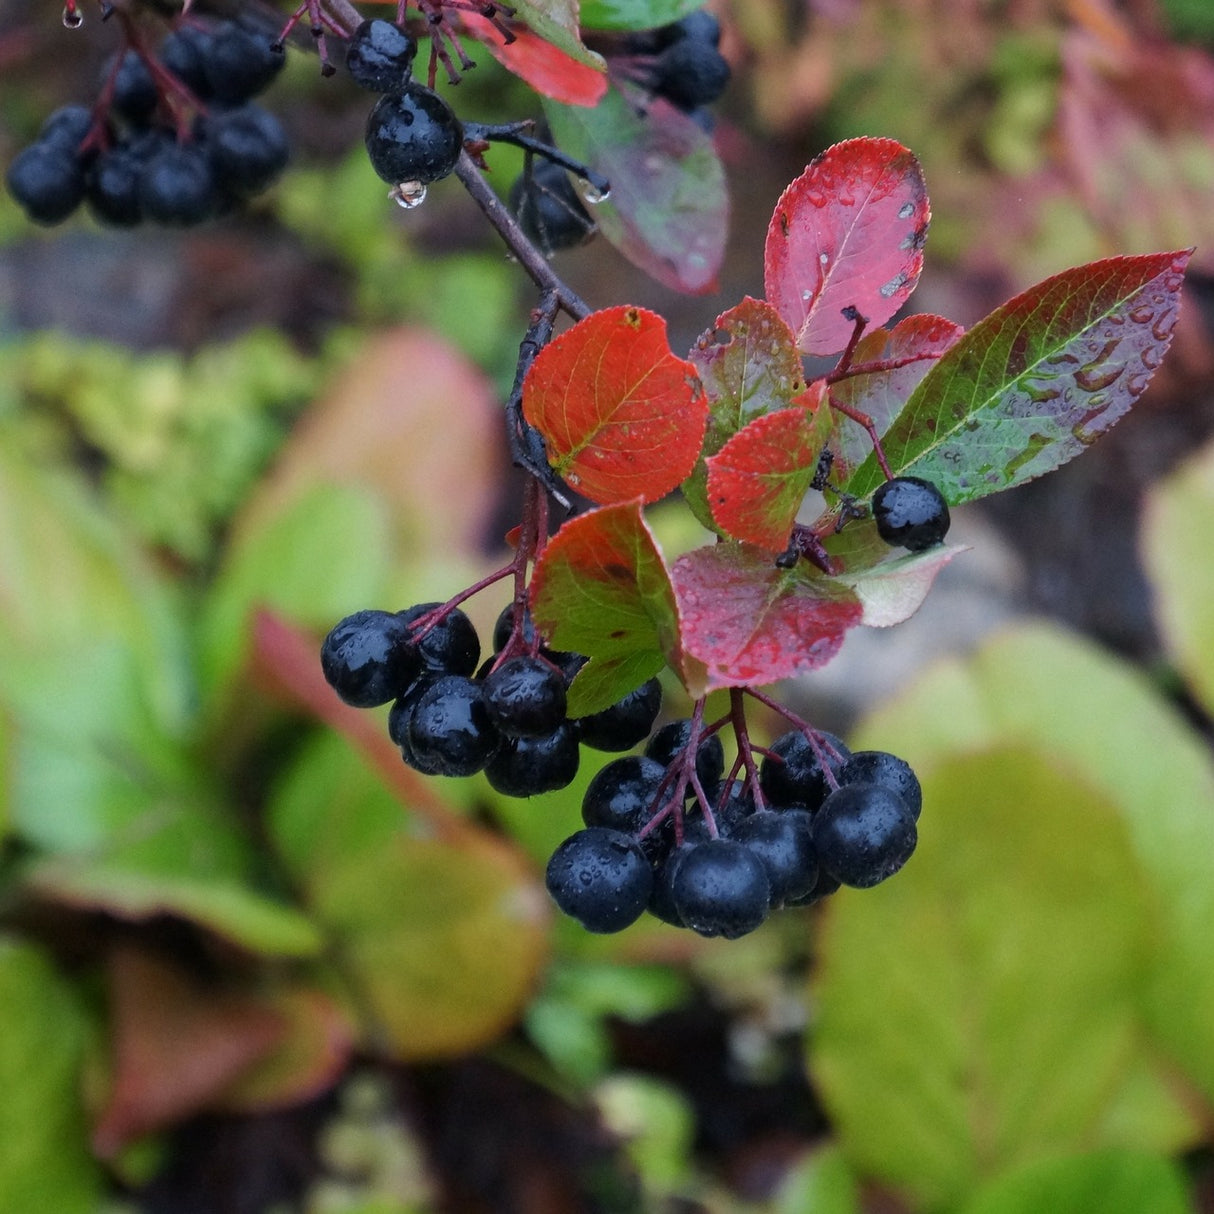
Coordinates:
413	136
601	878
525	697
380	56
910	513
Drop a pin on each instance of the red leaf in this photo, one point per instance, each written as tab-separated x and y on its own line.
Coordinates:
548	69
749	366
848	233
915	343
622	416
749	622
757	481
602	588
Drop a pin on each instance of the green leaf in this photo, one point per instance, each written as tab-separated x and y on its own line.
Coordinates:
44	1160
1111	1181
1040	687
1037	381
822	1183
634	14
1177	525
668	211
1000	1029
556	21
602	588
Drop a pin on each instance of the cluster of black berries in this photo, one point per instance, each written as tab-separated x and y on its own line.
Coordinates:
413	136
125	159
449	717
679	62
828	817
910	513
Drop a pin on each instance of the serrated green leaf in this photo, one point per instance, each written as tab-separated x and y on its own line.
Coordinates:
1177	524
1036	382
1000	1029
1041	687
603	681
1111	1181
44	1159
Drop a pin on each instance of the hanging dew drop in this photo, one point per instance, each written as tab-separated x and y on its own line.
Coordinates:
73	18
408	194
591	193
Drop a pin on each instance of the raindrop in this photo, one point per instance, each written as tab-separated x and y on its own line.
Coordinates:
823	257
1161	330
1142	315
906	210
807	295
591	193
408	194
73	18
1151	357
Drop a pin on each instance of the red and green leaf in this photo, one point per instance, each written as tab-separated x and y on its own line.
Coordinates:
758	480
601	588
634	14
749	366
668	211
1037	381
900	358
556	21
621	415
848	233
748	622
550	70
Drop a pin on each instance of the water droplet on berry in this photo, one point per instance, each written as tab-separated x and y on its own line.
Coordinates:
591	193
408	194
73	18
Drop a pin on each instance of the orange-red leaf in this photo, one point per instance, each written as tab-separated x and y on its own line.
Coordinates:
622	416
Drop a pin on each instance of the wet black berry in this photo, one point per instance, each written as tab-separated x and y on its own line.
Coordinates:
783	840
380	56
66	127
177	187
451	646
525	697
689	73
369	658
880	767
601	878
413	135
449	728
910	513
864	833
239	64
626	722
700	26
792	774
135	95
621	795
247	149
526	767
721	888
184	53
671	740
112	187
549	210
504	626
47	181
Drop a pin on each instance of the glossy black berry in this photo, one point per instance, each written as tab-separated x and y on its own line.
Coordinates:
449	728
824	886
380	56
661	898
451	646
135	95
721	888
369	658
526	767
503	627
621	795
46	181
184	52
399	717
601	878
239	64
689	73
880	767
700	26
549	210
793	775
671	740
864	833
66	127
783	840
177	187
247	148
910	513
525	697
112	187
626	722
413	135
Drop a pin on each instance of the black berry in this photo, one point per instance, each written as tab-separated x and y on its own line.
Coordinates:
413	135
184	52
880	767
238	64
380	56
525	697
793	775
112	187
451	646
721	888
621	795
689	73
369	658
671	740
601	878
66	127
247	149
910	513
864	833
47	181
526	767
135	94
626	722
549	210
783	841
449	728
177	187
